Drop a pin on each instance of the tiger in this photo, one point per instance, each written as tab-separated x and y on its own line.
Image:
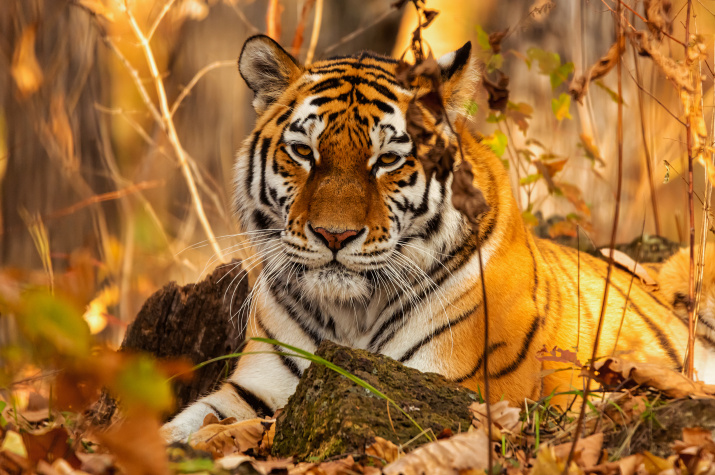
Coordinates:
359	245
674	283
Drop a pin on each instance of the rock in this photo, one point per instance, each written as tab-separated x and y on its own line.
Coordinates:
657	432
330	415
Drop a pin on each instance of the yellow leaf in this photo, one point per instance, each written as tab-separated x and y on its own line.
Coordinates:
13	443
560	106
25	69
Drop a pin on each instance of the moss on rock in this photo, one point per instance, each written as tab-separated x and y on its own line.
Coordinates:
329	414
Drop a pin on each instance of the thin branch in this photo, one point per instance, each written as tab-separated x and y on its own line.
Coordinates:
689	362
109	196
648	160
315	33
159	18
168	126
655	99
186	90
616	217
359	31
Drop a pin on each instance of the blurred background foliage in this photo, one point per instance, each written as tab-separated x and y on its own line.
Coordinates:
94	199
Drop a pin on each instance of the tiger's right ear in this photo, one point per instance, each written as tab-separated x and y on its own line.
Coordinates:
267	69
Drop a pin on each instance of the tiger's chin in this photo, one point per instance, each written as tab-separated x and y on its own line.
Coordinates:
335	283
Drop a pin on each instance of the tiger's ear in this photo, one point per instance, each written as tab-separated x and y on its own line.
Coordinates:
461	74
267	69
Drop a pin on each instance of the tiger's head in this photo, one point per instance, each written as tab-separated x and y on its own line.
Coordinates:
329	182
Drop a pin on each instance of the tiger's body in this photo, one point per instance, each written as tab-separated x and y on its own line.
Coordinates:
361	248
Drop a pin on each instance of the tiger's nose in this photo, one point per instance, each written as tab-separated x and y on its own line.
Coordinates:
334	241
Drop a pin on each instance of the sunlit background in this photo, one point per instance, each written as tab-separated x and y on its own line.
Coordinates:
94	196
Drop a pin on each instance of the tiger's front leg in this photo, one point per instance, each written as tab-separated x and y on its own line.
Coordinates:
260	384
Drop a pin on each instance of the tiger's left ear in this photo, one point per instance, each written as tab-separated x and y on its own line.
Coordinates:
268	70
461	75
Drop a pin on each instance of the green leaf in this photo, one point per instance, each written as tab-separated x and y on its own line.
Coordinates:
56	323
505	162
497	142
471	107
529	218
483	39
561	74
3	421
527	180
495	118
192	466
561	106
141	383
495	62
613	94
548	62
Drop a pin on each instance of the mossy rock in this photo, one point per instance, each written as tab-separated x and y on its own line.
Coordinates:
664	426
330	415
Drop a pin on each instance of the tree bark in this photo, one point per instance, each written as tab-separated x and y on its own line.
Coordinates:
198	322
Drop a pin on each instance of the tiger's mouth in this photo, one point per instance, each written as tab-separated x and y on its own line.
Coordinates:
335	282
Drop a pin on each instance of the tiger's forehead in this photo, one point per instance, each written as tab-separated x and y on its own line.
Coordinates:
354	100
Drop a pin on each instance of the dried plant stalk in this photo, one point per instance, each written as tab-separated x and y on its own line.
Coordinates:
168	125
316	32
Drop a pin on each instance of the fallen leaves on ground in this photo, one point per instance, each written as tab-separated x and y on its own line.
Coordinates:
504	417
467	451
613	372
225	438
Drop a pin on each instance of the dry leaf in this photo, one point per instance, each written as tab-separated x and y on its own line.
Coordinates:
25	68
679	73
467	198
574	195
579	85
498	92
558	355
50	445
504	417
225	439
383	449
136	443
587	453
591	149
657	12
625	261
612	372
547	463
467	451
564	227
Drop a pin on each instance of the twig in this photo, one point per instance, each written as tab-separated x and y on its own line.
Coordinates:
315	33
186	90
690	360
109	196
168	126
655	99
273	26
167	6
604	303
300	28
359	31
648	161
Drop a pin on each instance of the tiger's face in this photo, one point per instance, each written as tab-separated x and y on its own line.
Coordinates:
331	173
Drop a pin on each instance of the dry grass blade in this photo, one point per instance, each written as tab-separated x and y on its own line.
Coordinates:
300	28
462	452
273	19
186	90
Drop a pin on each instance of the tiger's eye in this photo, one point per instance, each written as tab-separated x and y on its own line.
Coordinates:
302	150
388	159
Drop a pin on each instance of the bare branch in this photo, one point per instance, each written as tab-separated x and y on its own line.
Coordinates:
316	32
185	92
